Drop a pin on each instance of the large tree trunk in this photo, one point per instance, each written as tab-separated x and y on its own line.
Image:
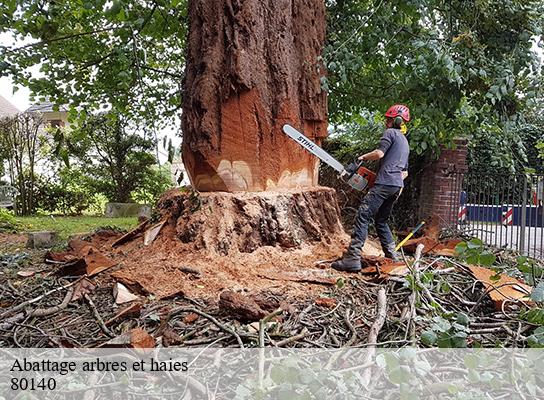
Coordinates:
252	66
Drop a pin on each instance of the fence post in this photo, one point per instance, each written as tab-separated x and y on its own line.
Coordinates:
523	222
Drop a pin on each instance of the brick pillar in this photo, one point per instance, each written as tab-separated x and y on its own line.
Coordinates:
440	185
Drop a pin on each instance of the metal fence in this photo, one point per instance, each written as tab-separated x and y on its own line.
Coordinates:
503	211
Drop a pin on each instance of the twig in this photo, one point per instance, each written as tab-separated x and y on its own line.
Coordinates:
353	338
263	322
426	291
43	312
212	319
302	335
98	317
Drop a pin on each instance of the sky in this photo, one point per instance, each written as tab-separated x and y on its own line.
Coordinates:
21	98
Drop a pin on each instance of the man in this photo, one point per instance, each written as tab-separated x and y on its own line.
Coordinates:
377	205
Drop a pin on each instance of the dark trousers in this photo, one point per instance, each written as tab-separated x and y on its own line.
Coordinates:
376	206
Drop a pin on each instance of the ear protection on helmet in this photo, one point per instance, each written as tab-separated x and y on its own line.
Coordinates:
397	122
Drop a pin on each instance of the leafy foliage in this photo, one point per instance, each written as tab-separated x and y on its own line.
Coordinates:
473	252
536	340
457	64
128	55
154	184
8	223
532	272
444	333
115	159
70	193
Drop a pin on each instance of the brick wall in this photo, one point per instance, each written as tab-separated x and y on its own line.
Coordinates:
441	185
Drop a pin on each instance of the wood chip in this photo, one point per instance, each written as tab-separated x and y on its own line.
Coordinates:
132	310
190	318
326	302
122	294
501	290
136	338
26	273
130	235
241	307
83	287
152	233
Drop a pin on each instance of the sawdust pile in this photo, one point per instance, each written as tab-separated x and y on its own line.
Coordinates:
201	245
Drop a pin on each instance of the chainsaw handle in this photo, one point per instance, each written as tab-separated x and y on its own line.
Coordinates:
359	163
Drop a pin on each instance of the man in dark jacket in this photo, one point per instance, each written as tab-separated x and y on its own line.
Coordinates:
377	205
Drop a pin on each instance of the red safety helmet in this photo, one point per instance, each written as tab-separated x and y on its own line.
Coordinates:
399	110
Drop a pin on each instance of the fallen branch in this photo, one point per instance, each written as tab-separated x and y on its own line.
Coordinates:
212	319
426	291
374	331
34	300
302	335
44	312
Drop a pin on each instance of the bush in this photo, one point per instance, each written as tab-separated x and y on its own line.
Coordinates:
154	184
69	194
8	223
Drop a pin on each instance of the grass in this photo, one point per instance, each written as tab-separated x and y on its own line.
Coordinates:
67	226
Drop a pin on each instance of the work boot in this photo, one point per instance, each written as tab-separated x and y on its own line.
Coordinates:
390	252
347	265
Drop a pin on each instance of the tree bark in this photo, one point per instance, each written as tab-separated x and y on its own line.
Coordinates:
253	66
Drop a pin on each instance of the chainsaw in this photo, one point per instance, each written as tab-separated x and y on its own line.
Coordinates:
355	175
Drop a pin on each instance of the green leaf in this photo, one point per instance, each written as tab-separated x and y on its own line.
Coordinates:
461	248
538	292
463	319
428	338
487	259
473	259
475	244
400	375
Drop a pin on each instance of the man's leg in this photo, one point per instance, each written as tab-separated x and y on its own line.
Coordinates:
382	227
370	204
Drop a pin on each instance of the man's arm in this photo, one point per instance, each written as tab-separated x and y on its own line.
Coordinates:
373	155
385	143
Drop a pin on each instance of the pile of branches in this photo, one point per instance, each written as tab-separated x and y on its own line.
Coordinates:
428	306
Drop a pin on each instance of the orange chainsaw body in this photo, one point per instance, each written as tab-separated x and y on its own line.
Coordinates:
368	175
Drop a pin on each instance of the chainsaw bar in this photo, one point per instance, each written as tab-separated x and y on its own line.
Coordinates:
313	148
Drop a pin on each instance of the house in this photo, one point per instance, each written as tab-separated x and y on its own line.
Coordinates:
7	109
53	118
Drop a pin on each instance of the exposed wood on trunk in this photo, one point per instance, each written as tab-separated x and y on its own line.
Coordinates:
253	66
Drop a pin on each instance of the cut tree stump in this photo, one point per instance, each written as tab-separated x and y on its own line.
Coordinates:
225	223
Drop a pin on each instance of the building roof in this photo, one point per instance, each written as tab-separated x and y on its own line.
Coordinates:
45	106
7	109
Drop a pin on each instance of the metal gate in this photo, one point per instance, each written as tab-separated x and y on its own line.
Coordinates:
503	211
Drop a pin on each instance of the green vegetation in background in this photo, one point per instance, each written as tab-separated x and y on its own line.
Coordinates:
67	226
457	65
8	223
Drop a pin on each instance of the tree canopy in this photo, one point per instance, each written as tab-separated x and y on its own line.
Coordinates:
99	54
456	63
460	65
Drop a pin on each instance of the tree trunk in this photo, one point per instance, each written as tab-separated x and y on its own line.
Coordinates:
253	66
